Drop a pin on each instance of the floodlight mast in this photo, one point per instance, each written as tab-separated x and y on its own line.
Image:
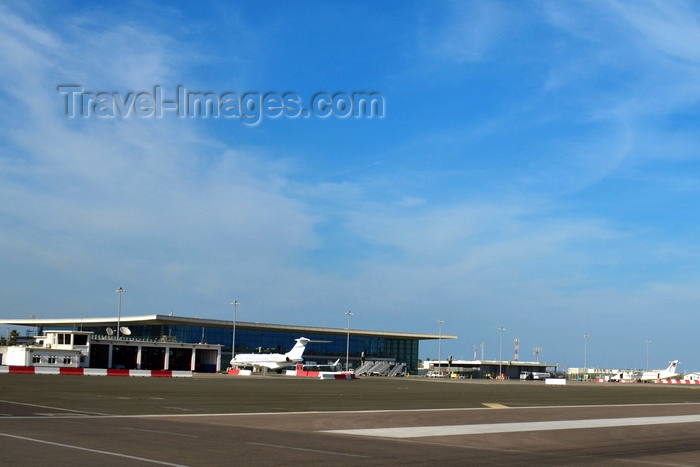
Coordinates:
120	291
500	352
440	322
347	345
235	304
648	341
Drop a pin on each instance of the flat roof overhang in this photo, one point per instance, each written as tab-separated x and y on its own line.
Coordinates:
151	320
493	363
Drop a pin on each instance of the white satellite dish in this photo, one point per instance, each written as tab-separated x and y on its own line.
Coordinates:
124	330
110	331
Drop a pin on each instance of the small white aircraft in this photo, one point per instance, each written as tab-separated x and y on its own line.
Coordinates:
669	372
273	361
313	366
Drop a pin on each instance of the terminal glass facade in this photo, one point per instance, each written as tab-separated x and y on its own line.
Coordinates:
331	346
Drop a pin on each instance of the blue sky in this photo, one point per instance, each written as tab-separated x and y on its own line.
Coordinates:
536	168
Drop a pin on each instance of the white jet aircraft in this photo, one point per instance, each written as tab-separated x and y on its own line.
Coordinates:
653	375
273	361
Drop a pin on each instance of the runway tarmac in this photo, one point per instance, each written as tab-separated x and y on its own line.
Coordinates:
223	420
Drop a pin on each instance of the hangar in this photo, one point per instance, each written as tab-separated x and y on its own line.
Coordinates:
489	369
331	343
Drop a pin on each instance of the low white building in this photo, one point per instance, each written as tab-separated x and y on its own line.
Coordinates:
82	349
56	349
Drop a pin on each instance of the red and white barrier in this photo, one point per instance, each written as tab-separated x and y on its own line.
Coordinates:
46	370
343	375
679	381
300	371
661	381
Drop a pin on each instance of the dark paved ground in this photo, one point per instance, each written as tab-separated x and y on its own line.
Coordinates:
224	420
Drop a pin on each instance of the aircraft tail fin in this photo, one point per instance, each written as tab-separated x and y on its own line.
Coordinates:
295	354
672	367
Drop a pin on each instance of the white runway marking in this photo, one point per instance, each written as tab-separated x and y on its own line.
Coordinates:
52	408
294	448
342	412
160	432
107	453
452	430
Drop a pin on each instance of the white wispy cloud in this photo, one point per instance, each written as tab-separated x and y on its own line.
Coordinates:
669	28
468	32
153	200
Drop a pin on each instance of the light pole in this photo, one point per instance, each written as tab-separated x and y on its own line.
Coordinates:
347	345
500	352
233	338
120	291
440	322
647	341
537	351
585	351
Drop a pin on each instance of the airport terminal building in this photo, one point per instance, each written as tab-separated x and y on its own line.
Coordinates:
327	343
